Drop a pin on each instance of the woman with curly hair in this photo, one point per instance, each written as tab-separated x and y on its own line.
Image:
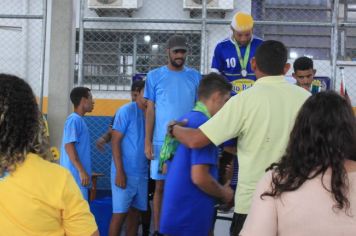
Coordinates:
37	197
312	189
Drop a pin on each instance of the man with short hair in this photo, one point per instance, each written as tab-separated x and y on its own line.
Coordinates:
232	55
304	72
129	166
75	150
170	92
261	117
191	186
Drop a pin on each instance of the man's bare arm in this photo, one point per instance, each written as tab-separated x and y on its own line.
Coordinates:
149	125
203	179
74	158
120	178
105	138
192	138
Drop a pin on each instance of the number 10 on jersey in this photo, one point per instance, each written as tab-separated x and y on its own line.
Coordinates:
231	62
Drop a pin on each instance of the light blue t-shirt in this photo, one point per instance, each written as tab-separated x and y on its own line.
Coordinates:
174	94
76	131
129	121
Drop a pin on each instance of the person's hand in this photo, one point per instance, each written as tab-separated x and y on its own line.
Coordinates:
228	194
149	150
229	171
120	179
164	168
174	123
100	144
84	178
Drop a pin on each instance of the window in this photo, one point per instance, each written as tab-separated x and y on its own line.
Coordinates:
112	57
314	41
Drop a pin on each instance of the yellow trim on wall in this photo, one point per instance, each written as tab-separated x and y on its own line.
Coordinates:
107	107
102	107
45	104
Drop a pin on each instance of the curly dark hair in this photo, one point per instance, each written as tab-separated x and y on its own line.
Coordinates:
21	124
323	137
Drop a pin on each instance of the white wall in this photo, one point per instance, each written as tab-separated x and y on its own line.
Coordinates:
21	46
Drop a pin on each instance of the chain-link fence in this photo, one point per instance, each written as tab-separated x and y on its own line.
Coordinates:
346	65
119	38
22	34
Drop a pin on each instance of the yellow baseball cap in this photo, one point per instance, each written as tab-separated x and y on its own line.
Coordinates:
242	21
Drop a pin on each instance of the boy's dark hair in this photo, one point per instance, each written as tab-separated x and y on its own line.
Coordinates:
77	94
211	83
271	57
303	63
137	85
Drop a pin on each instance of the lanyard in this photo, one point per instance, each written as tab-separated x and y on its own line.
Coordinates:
199	106
244	61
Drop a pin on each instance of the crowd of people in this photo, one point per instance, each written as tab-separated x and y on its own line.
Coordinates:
292	155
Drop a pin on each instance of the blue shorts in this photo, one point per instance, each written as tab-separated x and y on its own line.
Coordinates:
155	164
134	195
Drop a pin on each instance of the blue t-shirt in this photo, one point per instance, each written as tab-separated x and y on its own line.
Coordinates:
226	61
130	122
174	94
186	209
76	131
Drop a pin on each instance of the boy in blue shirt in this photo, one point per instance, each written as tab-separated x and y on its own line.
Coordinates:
129	166
75	150
191	186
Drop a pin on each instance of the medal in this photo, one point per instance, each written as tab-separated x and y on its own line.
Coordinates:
244	73
243	60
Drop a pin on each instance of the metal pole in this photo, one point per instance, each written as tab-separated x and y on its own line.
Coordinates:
141	20
334	43
203	64
348	24
342	77
343	37
81	42
43	55
27	17
134	56
199	21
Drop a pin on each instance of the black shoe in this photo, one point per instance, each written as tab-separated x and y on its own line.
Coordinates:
145	233
156	233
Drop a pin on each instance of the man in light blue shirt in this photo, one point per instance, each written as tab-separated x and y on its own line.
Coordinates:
171	92
75	149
